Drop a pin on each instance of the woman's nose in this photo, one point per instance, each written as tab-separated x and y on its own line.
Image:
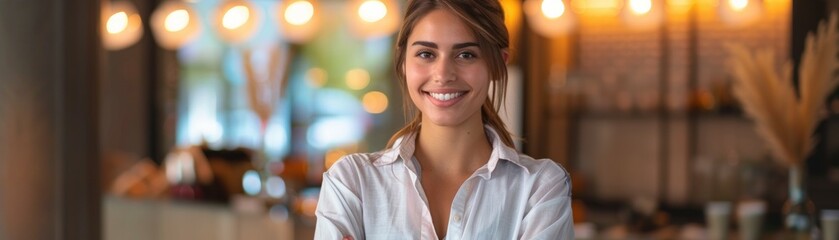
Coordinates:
444	71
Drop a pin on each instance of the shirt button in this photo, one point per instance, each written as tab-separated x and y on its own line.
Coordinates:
457	217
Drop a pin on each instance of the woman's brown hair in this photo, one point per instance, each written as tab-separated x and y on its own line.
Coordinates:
486	20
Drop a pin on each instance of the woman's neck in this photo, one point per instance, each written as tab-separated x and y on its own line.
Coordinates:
453	150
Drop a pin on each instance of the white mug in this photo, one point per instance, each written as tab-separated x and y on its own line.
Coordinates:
750	219
830	224
717	216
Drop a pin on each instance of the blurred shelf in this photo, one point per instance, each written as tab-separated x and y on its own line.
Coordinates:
657	115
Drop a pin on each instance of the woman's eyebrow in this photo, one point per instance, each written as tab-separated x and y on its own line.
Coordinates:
426	44
465	45
434	45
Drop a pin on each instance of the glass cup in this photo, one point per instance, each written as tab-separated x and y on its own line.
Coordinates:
717	215
750	216
830	224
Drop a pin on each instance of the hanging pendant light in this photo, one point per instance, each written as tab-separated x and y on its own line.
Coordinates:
740	13
373	18
298	19
550	18
174	24
236	21
643	14
121	25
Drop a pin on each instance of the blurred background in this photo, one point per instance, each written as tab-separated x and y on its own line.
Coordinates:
215	119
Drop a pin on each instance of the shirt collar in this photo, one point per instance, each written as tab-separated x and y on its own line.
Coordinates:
404	147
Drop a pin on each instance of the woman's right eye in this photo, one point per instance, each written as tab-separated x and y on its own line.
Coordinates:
424	54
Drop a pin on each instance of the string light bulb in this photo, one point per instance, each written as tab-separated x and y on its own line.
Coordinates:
236	21
552	9
372	11
549	18
640	7
643	14
174	23
299	12
740	13
121	25
738	5
373	18
298	20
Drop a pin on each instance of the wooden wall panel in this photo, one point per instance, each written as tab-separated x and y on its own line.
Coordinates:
48	145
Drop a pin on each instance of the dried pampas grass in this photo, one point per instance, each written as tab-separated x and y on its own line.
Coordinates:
784	117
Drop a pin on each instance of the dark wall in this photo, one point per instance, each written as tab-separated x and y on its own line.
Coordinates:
806	15
49	149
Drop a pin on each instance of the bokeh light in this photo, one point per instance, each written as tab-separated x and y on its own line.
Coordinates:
235	17
372	11
117	23
640	7
553	8
299	13
251	182
738	5
375	102
176	20
357	78
275	187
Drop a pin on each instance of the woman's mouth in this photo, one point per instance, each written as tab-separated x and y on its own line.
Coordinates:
446	96
445	99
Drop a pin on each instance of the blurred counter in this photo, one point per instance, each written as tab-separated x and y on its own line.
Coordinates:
127	219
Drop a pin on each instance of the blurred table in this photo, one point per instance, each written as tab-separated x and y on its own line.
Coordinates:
128	219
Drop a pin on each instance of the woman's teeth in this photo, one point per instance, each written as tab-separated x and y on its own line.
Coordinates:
445	96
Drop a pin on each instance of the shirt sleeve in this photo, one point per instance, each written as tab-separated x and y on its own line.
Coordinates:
338	212
550	216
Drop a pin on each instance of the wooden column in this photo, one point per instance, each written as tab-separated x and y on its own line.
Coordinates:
49	163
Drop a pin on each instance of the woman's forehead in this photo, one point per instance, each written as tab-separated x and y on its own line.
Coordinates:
442	27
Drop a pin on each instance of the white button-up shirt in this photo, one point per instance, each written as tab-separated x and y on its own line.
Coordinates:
379	196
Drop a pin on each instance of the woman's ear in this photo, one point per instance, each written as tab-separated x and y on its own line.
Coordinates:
505	53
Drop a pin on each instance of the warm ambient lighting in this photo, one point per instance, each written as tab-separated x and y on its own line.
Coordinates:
738	5
740	13
597	8
549	18
117	23
372	11
297	20
373	18
174	24
121	25
299	13
236	21
643	14
553	8
235	17
176	20
640	7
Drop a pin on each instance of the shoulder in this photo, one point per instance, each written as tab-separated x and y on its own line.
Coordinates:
352	163
356	164
546	173
543	167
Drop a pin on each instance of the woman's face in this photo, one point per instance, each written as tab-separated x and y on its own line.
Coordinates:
447	77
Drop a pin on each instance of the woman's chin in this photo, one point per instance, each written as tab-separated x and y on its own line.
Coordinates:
445	121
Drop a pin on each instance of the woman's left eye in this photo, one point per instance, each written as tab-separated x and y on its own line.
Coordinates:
467	55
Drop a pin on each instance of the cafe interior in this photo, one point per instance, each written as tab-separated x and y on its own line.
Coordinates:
216	119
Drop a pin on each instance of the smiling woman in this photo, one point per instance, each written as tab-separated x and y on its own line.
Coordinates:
452	171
